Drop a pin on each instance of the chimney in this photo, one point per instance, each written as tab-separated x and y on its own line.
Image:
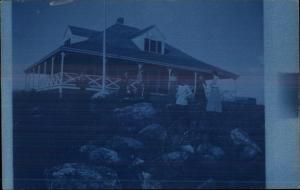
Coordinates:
120	20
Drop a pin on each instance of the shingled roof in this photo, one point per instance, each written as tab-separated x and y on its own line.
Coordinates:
119	42
82	31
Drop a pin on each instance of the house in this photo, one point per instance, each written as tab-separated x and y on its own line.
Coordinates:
143	54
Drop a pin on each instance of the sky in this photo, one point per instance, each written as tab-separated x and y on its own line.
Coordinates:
227	34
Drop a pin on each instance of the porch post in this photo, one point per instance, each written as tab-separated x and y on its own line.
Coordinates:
169	78
235	89
195	82
140	78
61	73
52	65
45	67
140	66
39	75
33	77
45	74
52	68
104	53
26	81
31	80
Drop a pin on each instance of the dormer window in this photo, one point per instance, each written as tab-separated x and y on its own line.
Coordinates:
153	46
67	42
147	44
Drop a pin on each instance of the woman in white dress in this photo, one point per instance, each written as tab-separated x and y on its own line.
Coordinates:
182	103
214	102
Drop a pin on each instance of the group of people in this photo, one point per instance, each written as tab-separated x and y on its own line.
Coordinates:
185	98
206	101
126	89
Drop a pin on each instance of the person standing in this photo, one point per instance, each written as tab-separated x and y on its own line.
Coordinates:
124	85
214	103
140	84
182	95
82	82
200	95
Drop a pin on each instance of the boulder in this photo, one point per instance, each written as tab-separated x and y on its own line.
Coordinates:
80	176
125	143
87	148
210	152
249	149
153	132
249	153
101	95
104	156
174	158
187	148
174	140
240	137
179	133
134	117
137	162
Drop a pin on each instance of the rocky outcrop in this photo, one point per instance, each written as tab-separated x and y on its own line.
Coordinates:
104	156
210	152
153	132
87	148
139	145
137	162
134	117
125	143
174	158
187	148
249	150
80	176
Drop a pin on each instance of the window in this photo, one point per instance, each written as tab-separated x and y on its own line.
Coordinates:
67	42
159	47
153	46
146	44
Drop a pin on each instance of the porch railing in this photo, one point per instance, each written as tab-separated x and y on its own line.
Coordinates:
71	81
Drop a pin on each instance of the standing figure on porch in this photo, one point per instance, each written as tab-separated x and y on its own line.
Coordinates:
82	82
182	103
140	84
200	95
124	85
172	88
214	103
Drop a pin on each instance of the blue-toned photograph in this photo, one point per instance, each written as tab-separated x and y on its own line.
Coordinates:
138	94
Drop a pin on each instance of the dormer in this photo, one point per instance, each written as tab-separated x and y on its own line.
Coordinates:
150	40
75	34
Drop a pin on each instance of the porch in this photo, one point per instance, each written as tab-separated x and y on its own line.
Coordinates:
66	70
62	70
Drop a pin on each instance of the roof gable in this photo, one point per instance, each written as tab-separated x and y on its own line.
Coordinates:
143	31
151	32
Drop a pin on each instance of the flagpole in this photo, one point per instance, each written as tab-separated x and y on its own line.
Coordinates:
104	52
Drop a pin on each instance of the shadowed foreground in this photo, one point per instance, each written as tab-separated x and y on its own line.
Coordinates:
79	143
